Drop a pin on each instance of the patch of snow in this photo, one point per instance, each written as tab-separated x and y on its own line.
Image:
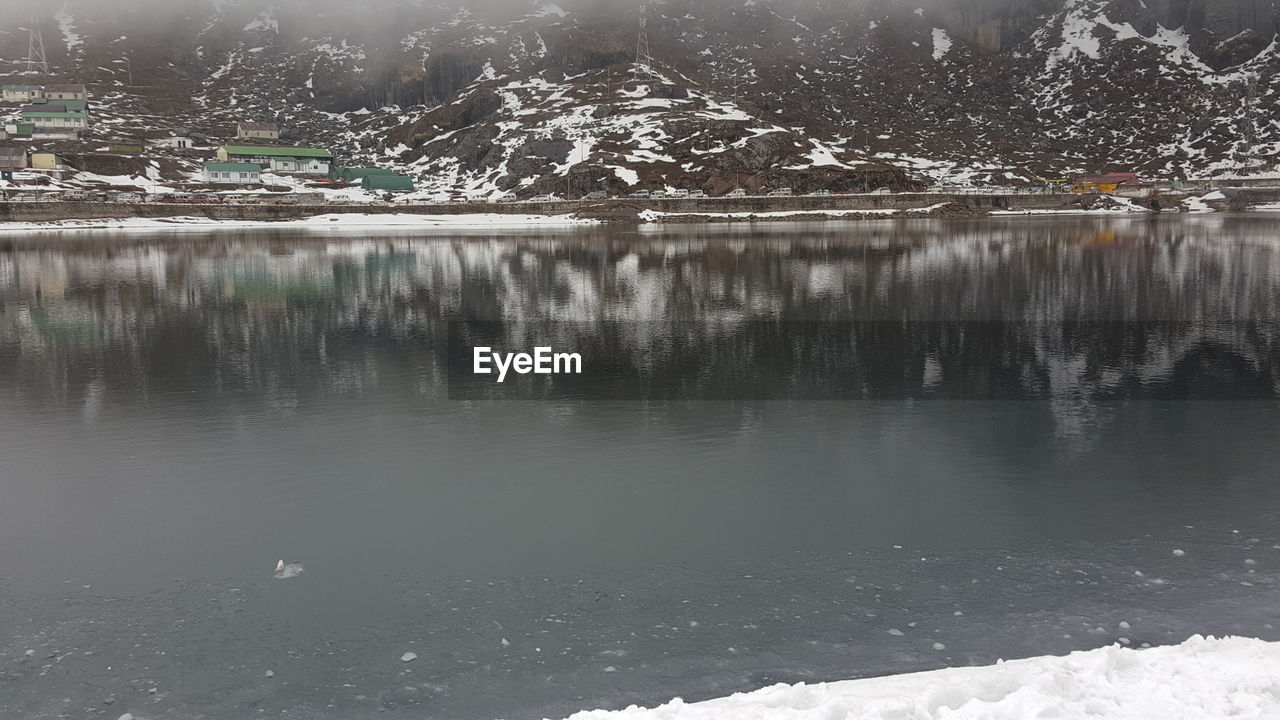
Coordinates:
626	175
1200	205
66	25
337	221
549	10
265	21
941	43
652	216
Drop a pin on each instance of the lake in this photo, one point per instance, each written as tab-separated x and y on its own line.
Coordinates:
799	452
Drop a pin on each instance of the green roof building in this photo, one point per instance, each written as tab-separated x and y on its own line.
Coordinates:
350	174
391	182
237	173
257	151
302	160
56	120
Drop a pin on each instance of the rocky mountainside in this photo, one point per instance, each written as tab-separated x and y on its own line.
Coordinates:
532	97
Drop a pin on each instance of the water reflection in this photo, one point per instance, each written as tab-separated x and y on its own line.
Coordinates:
1079	310
182	411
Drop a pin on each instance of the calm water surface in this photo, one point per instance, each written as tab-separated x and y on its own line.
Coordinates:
988	437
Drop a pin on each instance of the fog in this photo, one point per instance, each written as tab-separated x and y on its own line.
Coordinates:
1255	13
159	11
146	14
172	30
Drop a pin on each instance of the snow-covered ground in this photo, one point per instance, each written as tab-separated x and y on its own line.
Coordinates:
1116	205
333	220
659	215
1201	204
1201	679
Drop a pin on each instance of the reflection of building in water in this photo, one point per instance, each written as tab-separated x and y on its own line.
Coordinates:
289	318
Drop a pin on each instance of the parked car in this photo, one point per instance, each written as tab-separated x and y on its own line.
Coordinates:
542	198
821	193
128	197
780	192
697	194
597	195
679	193
658	194
736	192
640	194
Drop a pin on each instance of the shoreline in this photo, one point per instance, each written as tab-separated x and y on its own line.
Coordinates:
57	216
475	221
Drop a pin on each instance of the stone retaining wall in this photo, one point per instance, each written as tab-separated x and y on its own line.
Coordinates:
619	209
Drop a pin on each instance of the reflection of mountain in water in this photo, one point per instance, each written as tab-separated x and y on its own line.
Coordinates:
1074	311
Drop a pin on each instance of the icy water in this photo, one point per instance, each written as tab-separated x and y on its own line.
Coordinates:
809	453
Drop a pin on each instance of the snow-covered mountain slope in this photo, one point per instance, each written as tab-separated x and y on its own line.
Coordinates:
534	97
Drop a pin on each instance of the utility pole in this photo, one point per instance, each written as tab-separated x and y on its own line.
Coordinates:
128	67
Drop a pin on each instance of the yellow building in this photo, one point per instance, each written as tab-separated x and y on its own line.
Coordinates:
47	161
1110	183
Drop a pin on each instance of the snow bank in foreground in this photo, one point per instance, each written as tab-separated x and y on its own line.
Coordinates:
1201	679
337	220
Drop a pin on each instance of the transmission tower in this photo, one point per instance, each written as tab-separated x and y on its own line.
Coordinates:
1248	127
644	61
35	49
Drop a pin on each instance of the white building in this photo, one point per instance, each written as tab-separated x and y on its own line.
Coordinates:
65	92
54	120
176	143
20	93
232	173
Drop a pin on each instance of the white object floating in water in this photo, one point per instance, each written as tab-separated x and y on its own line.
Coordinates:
29	652
506	642
896	632
284	570
271	673
409	657
939	646
126	716
1179	553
